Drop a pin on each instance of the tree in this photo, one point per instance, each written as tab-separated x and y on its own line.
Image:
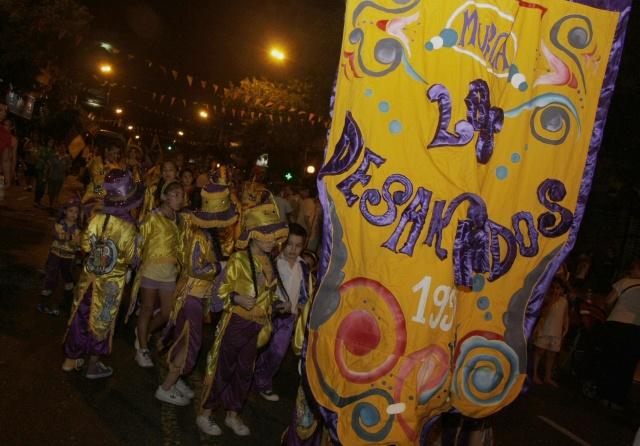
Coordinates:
37	38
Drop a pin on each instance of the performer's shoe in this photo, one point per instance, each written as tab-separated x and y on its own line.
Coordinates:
99	371
269	395
72	364
184	389
208	426
172	396
238	427
143	358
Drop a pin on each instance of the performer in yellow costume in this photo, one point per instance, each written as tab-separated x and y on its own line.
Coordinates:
161	247
248	291
98	167
203	263
110	242
169	173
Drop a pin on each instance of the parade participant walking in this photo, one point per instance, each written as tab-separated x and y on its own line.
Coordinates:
293	286
161	246
248	293
110	242
550	331
153	192
203	263
66	242
98	167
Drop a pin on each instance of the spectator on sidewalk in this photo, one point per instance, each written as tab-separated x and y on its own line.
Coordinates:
57	168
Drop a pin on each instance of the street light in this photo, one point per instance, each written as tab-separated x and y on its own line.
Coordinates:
137	136
129	127
277	54
119	111
106	68
180	133
311	169
203	114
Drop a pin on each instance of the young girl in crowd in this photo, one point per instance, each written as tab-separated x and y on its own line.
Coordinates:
152	194
186	178
248	292
293	286
551	329
202	265
161	244
66	241
110	241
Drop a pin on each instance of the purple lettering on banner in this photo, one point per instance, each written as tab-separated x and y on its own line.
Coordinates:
477	213
469	21
359	176
347	150
439	93
416	214
470	252
484	118
533	248
398	198
489	35
500	267
550	192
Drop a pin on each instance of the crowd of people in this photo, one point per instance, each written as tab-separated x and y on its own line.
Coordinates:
595	335
175	248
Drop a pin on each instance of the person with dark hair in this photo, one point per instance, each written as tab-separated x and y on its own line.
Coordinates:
294	285
152	193
550	331
202	264
58	166
66	243
161	235
621	338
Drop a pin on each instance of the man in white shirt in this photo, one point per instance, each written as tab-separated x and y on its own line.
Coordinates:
293	286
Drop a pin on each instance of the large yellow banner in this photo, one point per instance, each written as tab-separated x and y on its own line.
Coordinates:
455	177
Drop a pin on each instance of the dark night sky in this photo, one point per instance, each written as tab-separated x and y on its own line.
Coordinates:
226	40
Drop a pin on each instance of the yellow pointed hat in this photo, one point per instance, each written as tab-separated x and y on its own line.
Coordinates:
262	222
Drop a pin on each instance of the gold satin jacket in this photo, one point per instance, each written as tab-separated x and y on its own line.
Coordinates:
111	248
97	171
66	240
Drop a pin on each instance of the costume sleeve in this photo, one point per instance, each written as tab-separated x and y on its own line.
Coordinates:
131	247
90	232
59	234
299	332
236	280
203	265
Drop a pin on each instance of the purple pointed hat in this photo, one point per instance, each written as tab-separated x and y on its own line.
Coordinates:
122	193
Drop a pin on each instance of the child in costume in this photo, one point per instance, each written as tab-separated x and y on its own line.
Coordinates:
202	266
152	193
248	291
293	286
66	241
110	242
161	245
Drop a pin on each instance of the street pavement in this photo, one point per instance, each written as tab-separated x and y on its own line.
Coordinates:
40	404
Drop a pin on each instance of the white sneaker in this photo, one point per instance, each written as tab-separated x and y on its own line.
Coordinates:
208	426
269	395
184	389
172	396
143	358
136	343
238	427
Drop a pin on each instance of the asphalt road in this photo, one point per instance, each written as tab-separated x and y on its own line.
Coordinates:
40	404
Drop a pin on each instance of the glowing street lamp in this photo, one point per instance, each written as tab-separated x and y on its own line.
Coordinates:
180	133
106	68
137	136
119	111
129	127
311	169
277	54
203	114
